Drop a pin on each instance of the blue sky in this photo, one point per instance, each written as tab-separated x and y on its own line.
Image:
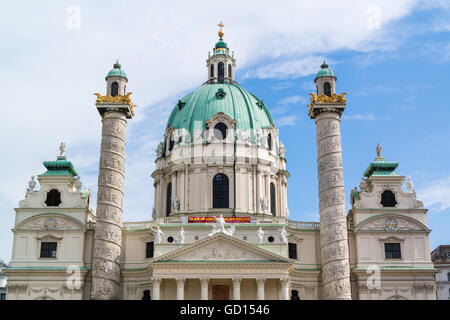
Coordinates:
396	77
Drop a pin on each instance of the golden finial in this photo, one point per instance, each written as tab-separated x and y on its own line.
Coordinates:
221	25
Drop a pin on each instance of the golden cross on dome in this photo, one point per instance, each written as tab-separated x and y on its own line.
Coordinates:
221	25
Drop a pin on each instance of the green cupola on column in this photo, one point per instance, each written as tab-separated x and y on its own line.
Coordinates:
116	80
325	81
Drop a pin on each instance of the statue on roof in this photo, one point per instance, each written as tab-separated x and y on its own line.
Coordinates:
379	156
409	185
219	227
260	235
62	149
31	184
158	235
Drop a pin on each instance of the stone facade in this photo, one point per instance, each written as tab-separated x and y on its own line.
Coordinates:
246	250
441	259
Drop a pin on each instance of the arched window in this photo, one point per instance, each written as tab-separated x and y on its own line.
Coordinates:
220	131
220	191
221	71
269	141
388	199
229	71
327	89
171	143
212	71
272	199
53	198
168	199
114	89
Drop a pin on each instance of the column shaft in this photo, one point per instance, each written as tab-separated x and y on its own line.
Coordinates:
237	289
333	222
204	289
108	228
260	289
180	289
284	284
156	289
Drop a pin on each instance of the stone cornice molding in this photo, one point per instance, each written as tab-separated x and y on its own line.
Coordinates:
391	238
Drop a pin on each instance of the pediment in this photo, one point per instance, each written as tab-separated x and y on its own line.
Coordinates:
391	223
49	222
221	248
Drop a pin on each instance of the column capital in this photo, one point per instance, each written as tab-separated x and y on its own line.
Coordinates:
180	280
204	280
316	109
236	280
156	280
260	280
284	281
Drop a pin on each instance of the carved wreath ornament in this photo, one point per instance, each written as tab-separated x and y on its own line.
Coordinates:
50	223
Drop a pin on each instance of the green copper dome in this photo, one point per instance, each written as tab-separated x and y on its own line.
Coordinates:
324	71
247	110
60	167
221	44
117	71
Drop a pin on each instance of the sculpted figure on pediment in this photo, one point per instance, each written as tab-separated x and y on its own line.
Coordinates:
219	251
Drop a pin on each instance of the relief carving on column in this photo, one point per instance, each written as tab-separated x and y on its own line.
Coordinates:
108	230
333	220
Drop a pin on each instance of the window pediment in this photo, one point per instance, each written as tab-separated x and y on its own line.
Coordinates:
391	223
50	223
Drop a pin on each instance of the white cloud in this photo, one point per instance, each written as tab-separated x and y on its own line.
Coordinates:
50	72
436	194
286	69
292	100
364	117
289	120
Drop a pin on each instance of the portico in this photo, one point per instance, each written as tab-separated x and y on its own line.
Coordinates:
220	289
220	267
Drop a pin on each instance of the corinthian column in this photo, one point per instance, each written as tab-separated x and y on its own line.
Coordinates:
333	222
108	226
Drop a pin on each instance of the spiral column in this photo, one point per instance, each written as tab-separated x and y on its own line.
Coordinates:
108	228
333	222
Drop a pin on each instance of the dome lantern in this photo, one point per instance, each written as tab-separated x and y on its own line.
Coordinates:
220	65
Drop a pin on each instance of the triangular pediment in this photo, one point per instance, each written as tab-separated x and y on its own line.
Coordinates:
220	248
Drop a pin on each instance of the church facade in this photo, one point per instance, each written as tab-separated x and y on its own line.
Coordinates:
220	226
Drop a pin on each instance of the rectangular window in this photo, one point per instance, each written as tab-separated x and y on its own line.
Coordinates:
3	296
292	250
149	251
392	250
48	249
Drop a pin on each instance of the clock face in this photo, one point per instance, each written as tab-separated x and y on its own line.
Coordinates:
50	224
390	224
